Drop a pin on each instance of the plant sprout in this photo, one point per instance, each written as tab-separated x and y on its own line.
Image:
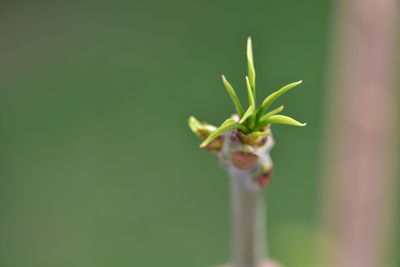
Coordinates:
242	143
252	121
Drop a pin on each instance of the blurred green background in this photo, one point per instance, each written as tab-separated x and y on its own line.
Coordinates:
98	166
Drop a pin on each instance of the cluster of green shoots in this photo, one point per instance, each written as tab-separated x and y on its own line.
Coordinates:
252	121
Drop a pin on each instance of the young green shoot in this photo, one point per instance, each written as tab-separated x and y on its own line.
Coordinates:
254	119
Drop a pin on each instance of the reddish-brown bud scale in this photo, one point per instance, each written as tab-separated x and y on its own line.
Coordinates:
244	161
264	179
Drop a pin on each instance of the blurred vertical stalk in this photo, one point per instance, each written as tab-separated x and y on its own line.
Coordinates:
359	189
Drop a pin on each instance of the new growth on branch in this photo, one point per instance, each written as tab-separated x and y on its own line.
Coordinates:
254	122
243	143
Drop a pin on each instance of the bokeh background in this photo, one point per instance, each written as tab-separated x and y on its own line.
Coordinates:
98	166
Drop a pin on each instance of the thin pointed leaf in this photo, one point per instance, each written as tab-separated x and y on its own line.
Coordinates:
272	97
249	51
250	94
226	126
250	65
271	113
234	97
247	114
252	102
281	119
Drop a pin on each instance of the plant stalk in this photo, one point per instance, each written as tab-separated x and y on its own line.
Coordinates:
362	135
248	239
249	173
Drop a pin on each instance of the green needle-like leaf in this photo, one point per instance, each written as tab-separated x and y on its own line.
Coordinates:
248	113
226	126
273	112
272	97
233	95
281	119
250	65
252	102
250	93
